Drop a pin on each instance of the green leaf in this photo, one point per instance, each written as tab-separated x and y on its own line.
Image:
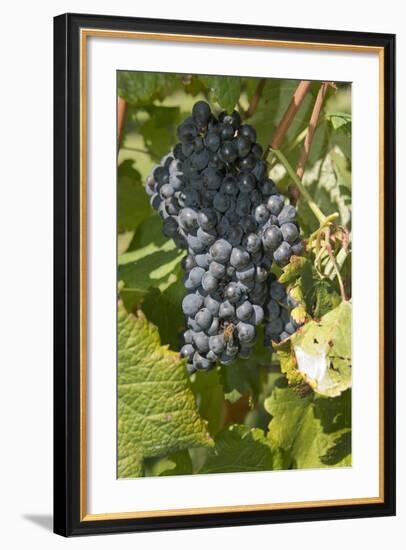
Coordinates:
334	412
334	186
150	231
226	89
141	87
326	298
315	296
150	266
172	465
210	398
159	130
296	427
339	120
240	449
130	459
287	409
162	307
157	413
320	352
320	144
239	378
132	201
258	417
123	241
243	376
330	186
160	297
275	99
192	85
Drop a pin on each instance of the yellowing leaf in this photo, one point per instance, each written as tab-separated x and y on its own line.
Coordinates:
320	352
299	314
294	269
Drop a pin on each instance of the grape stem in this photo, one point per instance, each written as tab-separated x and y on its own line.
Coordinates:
314	118
322	219
340	259
336	269
329	219
255	98
121	109
287	119
308	138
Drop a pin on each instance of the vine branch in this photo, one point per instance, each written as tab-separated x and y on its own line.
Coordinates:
308	139
314	118
255	98
287	119
336	269
121	109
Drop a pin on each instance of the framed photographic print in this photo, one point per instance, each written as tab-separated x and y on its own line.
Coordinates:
224	274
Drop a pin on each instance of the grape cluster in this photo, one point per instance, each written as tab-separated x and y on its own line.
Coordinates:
215	199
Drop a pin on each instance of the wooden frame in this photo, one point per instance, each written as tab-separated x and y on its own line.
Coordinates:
71	32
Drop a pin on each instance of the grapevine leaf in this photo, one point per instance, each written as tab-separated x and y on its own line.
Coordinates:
172	465
342	142
161	306
294	269
132	202
243	375
149	231
226	89
140	87
329	184
240	449
326	298
150	266
275	99
343	174
288	365
320	144
314	296
339	120
296	428
258	417
320	352
287	409
210	398
159	130
130	459
334	413
240	378
157	412
192	85
123	241
334	186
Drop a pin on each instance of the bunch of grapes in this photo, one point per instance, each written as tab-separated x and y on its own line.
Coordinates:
215	199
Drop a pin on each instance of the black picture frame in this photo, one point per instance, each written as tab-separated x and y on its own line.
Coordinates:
67	432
